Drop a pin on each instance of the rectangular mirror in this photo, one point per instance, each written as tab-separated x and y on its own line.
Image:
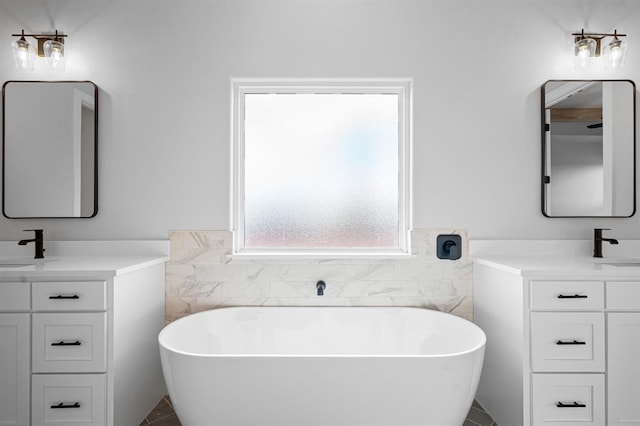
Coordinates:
49	161
588	148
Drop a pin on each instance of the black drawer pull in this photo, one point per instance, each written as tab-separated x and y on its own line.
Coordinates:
574	405
63	343
574	342
61	297
572	296
63	405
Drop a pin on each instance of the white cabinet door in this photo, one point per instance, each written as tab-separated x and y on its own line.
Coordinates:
15	373
567	342
568	399
623	369
69	296
64	342
69	399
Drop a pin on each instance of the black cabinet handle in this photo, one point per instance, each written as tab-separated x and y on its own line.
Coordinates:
572	296
60	297
63	343
574	342
63	405
574	405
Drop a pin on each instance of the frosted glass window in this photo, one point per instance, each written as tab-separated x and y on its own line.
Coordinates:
321	171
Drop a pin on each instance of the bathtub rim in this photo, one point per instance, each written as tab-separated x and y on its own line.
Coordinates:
480	346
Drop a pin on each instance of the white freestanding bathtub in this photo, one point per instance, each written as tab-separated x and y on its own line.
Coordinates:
330	366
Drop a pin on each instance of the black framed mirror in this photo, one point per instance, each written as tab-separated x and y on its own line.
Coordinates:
49	149
588	148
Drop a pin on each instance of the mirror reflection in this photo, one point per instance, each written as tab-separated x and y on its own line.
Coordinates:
49	142
588	148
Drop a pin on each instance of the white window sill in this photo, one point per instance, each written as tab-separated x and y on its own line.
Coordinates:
313	255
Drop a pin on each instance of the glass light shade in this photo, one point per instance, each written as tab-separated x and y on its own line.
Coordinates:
54	54
24	54
584	52
615	53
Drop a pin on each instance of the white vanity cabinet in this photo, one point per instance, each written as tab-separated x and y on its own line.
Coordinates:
15	372
567	352
69	337
78	342
623	343
563	342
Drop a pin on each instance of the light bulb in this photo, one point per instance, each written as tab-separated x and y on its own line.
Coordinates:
584	52
615	52
23	54
54	54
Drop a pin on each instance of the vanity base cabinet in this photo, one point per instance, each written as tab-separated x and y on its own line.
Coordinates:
15	371
81	350
623	368
565	351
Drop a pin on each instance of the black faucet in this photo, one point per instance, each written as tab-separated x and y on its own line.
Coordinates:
598	239
320	286
38	239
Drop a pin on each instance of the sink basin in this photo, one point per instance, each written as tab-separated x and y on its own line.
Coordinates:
619	262
15	264
21	262
623	264
616	259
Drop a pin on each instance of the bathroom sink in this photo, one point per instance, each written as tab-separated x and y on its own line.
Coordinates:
620	262
623	264
15	263
22	262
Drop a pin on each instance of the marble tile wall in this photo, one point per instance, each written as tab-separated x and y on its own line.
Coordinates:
201	274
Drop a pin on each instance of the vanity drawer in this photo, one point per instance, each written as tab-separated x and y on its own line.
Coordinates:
69	343
623	295
69	296
14	296
68	399
567	295
568	399
568	342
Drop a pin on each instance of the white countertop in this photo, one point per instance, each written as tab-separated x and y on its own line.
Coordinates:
81	258
105	266
563	266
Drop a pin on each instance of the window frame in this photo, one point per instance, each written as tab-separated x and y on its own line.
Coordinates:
398	86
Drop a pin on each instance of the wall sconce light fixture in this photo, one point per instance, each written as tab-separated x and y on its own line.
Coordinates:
588	46
50	46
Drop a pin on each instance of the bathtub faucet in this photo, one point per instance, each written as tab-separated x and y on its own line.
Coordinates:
320	286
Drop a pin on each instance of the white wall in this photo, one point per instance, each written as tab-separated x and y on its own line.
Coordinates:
163	67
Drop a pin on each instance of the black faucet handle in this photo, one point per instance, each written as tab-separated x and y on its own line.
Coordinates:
38	240
38	232
598	239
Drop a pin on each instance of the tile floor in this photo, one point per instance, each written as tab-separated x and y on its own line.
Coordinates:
163	415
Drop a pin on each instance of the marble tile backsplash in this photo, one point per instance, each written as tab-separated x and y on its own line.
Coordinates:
201	274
